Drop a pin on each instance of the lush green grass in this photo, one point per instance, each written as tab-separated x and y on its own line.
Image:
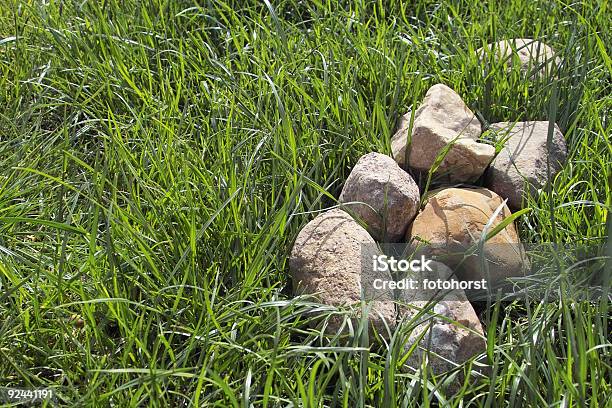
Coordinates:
157	160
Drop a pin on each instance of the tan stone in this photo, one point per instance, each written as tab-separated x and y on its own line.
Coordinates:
452	222
326	262
443	119
399	140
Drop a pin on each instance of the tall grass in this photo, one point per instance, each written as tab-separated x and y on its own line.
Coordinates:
157	160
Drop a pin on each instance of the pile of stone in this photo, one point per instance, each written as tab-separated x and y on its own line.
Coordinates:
381	202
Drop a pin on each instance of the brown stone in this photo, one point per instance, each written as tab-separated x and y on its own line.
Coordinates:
452	222
382	195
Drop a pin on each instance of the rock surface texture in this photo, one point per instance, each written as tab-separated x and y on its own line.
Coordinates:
522	163
392	194
443	119
399	140
535	58
453	221
450	331
326	262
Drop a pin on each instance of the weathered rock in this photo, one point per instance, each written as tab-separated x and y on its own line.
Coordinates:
388	196
453	221
535	58
443	119
522	163
326	262
399	140
449	333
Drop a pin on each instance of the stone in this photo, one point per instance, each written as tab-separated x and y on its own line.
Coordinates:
449	333
535	58
326	262
385	197
443	119
452	222
399	140
522	163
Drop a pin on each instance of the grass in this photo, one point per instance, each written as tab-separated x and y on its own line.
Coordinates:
157	160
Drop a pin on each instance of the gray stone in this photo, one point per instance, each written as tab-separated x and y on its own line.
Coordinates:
449	333
522	163
326	262
443	119
535	58
386	197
